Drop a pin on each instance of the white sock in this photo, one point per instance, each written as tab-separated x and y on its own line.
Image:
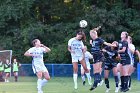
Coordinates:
75	79
83	77
89	77
39	81
44	81
119	75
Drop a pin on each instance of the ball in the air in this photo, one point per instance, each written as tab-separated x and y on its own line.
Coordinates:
83	23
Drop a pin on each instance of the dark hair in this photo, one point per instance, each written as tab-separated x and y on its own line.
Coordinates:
126	34
81	32
34	41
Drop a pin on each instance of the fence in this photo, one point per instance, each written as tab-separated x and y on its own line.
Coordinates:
63	70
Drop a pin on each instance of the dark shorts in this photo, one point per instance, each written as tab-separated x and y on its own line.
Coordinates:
98	58
110	66
125	62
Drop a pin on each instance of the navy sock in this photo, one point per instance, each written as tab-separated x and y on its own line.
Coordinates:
116	80
107	82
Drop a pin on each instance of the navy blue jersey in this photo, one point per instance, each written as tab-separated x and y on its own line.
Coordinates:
124	55
96	45
110	55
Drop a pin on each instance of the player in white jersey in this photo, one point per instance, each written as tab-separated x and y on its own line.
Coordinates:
88	56
76	48
131	51
38	66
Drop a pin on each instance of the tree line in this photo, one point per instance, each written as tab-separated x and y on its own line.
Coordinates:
54	22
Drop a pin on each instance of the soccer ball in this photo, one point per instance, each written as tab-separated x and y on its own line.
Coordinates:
83	23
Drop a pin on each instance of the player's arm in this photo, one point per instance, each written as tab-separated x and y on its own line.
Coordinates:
132	48
27	53
138	53
122	50
46	48
109	44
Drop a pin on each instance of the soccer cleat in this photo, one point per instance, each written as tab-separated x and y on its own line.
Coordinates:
75	86
90	83
40	91
84	82
107	90
129	88
92	88
125	90
117	89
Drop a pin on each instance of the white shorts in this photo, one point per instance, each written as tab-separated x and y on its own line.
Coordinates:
37	68
88	65
77	58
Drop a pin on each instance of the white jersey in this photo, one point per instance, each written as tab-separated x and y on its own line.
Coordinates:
38	52
76	47
131	55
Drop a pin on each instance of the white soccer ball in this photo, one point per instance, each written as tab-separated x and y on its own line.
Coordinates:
83	23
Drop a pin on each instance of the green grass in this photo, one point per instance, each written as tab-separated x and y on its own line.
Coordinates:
57	85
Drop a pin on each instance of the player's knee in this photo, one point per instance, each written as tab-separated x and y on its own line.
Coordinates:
48	78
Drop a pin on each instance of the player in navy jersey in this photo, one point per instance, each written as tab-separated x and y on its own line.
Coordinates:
76	48
98	57
125	61
111	56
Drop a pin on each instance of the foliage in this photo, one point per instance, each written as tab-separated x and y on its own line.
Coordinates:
54	22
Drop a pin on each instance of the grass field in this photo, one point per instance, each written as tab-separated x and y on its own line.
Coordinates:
58	85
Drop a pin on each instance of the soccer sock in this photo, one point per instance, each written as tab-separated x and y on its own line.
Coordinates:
116	80
16	77
129	81
75	79
125	82
89	77
39	81
44	81
83	77
119	77
100	78
95	80
122	82
107	82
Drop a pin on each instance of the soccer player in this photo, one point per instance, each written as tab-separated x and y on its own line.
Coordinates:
1	71
111	55
88	56
125	61
98	57
38	66
16	66
76	48
7	70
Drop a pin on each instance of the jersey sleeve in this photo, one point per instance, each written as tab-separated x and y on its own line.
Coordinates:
69	42
30	50
43	49
102	41
89	55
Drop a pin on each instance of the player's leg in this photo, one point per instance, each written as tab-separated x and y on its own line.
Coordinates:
106	74
16	76
86	70
39	81
75	75
119	67
125	70
7	74
96	69
101	81
115	72
131	70
83	75
46	77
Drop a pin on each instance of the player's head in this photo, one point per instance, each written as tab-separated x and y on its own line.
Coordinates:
36	42
93	34
124	35
129	39
115	44
7	61
80	35
15	60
